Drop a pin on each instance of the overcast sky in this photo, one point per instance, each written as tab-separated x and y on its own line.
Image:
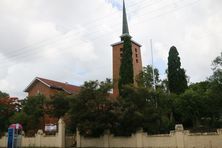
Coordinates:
69	40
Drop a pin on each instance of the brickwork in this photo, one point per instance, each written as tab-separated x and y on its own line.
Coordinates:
137	63
39	87
49	88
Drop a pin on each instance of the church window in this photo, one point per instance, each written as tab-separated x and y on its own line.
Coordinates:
137	61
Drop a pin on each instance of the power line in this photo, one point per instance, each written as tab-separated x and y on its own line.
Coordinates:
43	42
21	52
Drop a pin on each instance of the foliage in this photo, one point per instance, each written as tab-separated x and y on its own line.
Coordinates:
190	106
33	107
145	78
215	94
91	110
128	111
164	85
196	108
176	75
8	107
143	108
126	67
200	106
217	62
58	105
216	78
3	94
20	117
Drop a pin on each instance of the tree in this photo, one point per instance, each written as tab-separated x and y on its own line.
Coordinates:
58	105
138	107
126	68
176	75
3	94
91	110
217	71
20	117
215	93
190	107
129	110
200	87
164	85
33	107
8	107
145	78
216	78
217	62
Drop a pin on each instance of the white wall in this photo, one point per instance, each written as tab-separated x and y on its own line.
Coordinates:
176	139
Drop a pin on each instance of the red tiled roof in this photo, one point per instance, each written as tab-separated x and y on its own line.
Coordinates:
65	86
55	85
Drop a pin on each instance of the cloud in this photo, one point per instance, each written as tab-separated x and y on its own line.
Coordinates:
192	26
40	44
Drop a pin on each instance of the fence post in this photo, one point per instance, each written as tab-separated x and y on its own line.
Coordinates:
139	138
106	139
61	133
4	140
179	133
78	138
38	137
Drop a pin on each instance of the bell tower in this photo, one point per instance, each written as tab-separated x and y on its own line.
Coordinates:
117	54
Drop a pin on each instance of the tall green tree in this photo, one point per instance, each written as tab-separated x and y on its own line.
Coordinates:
176	75
145	78
126	68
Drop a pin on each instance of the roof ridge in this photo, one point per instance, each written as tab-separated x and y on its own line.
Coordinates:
52	83
55	81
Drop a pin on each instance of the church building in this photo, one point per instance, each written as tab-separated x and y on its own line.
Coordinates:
117	54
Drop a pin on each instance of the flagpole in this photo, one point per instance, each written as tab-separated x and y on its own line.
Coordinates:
154	83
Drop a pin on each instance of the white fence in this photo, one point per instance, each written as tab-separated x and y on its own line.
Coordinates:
176	139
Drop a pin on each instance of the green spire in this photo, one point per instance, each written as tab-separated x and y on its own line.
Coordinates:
125	24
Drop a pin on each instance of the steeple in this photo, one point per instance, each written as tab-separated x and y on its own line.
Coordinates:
118	50
125	31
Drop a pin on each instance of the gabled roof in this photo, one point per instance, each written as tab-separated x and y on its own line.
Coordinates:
54	85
